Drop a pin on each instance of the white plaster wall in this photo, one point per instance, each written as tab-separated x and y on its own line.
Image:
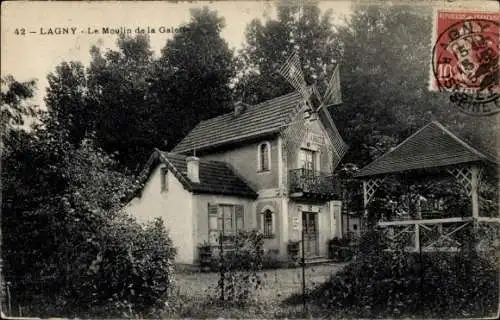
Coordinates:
174	206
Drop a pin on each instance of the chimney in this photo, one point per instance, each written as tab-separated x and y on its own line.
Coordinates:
239	108
193	169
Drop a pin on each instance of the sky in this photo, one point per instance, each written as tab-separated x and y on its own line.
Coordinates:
34	55
28	50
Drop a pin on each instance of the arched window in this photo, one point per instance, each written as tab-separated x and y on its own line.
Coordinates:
267	222
264	156
164	179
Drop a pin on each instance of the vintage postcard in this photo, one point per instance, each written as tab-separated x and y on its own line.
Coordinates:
250	159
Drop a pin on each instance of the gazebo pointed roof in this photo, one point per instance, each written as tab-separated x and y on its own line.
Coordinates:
431	146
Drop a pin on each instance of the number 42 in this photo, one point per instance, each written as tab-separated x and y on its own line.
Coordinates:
21	32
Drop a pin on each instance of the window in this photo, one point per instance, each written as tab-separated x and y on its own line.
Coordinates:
224	220
164	179
268	224
264	156
307	160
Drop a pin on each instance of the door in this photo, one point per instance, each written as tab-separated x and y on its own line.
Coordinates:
310	228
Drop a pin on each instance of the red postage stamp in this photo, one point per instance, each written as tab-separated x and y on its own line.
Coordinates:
465	59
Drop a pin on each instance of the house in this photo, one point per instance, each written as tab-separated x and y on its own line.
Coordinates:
266	166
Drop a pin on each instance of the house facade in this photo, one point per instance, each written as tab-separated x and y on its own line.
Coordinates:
265	166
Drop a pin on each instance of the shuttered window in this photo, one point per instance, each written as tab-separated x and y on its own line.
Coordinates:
224	220
213	233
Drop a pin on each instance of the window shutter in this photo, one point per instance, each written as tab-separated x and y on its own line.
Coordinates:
238	209
213	234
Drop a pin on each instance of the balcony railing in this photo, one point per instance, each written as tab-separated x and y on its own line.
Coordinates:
304	183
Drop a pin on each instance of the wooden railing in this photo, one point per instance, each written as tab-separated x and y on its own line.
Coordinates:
309	182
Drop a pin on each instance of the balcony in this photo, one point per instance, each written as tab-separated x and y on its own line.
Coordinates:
311	185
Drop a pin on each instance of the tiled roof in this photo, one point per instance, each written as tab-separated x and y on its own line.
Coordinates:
216	177
263	118
431	146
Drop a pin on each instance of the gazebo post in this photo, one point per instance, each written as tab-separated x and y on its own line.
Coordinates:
365	202
417	237
474	196
474	183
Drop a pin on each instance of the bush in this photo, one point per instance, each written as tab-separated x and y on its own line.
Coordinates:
339	249
271	260
395	284
125	269
134	270
239	268
293	249
68	247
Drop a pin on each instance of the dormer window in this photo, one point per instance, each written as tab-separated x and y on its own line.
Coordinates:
264	156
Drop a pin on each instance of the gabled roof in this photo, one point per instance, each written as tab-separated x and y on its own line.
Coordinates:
216	177
267	117
431	146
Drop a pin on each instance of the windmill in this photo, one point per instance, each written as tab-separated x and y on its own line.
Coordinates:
296	127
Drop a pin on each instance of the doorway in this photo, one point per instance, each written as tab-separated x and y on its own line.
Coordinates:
310	227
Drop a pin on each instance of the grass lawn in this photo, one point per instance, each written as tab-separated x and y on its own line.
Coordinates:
194	288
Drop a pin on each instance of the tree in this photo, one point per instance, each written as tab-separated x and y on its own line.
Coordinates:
193	75
269	43
14	98
14	108
67	101
118	83
67	238
133	103
384	76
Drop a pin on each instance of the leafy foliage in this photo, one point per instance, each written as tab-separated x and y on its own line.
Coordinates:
67	245
269	43
68	102
239	277
14	101
134	269
384	76
125	109
397	283
192	75
131	102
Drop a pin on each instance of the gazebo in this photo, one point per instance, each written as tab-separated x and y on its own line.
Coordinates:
434	152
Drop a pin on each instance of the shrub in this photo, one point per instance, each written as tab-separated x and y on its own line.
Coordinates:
271	260
293	249
397	283
125	269
133	272
69	250
339	249
239	268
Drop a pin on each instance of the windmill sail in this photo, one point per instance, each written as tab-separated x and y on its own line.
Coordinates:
333	94
291	70
296	128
